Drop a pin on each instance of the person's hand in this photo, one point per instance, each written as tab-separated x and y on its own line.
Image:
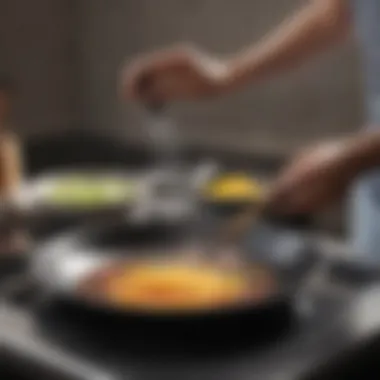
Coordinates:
175	74
314	179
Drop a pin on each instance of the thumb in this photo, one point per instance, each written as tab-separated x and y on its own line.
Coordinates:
275	199
286	199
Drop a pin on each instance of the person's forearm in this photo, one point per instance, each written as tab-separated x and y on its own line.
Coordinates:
11	168
363	152
317	26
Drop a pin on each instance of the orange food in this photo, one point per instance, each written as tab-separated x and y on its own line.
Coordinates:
175	286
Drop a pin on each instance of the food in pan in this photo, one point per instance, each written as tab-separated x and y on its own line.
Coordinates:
234	187
82	192
176	286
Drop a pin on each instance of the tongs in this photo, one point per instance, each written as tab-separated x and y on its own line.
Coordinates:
230	233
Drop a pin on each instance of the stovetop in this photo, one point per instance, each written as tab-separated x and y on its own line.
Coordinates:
42	339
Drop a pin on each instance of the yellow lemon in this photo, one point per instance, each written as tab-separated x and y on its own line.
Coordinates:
234	187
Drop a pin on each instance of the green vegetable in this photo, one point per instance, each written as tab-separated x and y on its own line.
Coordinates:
92	192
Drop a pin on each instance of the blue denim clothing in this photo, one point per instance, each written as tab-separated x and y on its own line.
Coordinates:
364	215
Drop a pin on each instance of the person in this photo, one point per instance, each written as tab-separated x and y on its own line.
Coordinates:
10	150
11	171
319	175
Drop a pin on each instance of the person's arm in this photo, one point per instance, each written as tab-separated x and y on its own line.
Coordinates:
14	239
363	152
189	73
317	26
11	167
320	175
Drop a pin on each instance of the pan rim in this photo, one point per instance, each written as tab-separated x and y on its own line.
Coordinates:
95	304
73	242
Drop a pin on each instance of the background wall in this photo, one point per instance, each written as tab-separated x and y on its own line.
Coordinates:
36	47
66	55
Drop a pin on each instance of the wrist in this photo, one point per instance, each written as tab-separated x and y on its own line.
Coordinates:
363	152
227	79
239	72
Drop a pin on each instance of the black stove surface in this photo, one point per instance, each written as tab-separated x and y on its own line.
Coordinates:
39	340
58	341
42	339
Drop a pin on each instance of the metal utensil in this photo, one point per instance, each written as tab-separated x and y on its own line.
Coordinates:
169	192
234	228
229	234
160	128
163	134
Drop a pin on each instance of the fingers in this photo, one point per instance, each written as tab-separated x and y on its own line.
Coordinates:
303	197
279	201
294	190
295	196
139	78
152	77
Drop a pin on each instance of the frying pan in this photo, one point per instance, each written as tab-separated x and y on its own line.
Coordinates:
64	263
